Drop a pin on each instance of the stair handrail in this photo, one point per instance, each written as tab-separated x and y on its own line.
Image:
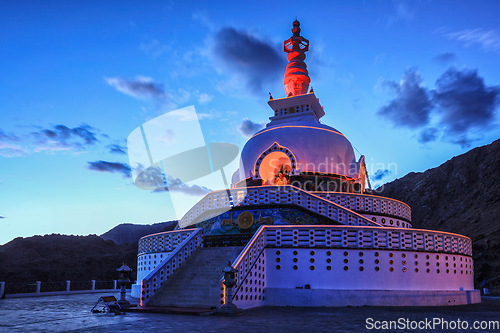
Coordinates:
146	291
244	252
246	275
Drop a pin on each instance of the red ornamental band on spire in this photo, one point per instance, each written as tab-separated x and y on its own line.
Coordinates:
296	79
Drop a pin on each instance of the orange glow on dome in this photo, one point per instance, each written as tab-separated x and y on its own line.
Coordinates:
297	126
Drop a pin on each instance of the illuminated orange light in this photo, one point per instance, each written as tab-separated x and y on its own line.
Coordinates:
296	126
366	195
364	227
311	192
224	300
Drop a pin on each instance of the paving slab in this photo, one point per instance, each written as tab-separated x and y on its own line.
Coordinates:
71	313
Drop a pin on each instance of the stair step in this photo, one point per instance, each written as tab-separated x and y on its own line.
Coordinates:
197	282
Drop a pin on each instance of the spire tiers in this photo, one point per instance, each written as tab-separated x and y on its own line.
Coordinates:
298	105
296	79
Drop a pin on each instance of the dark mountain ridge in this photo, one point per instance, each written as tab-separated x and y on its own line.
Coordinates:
77	258
60	258
129	233
461	196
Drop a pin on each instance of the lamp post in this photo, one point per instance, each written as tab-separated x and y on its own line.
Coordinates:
229	281
123	271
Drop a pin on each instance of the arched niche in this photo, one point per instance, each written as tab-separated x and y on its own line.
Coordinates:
275	165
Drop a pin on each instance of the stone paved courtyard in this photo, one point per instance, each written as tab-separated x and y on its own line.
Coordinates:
71	313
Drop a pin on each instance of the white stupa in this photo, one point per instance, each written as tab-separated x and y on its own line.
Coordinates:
300	228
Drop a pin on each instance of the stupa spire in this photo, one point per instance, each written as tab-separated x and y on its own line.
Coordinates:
296	79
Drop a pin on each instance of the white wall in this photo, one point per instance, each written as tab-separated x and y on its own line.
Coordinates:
280	272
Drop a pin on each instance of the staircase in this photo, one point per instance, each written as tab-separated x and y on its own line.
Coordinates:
197	284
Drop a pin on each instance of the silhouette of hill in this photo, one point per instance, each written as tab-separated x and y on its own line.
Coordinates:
78	258
461	196
129	233
60	258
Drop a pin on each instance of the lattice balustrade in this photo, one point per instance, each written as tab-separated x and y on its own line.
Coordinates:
163	242
250	278
366	237
263	195
368	203
161	273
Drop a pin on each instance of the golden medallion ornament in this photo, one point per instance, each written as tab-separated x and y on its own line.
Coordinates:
245	220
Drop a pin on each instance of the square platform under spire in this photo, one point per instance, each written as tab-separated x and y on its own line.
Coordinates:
299	105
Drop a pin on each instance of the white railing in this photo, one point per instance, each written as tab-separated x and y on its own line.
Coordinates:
250	278
161	273
264	195
367	237
165	241
368	203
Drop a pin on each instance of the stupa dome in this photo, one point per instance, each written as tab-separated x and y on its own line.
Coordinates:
304	145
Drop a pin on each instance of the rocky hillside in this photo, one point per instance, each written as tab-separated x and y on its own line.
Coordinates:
130	233
61	258
76	258
462	196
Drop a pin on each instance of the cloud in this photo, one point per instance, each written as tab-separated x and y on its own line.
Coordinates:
141	87
153	177
428	135
378	59
150	178
145	88
461	102
12	150
379	174
48	140
411	105
8	137
488	40
445	58
204	98
63	134
103	166
248	128
116	149
254	60
9	145
154	48
463	140
61	138
186	115
175	185
404	10
203	19
464	102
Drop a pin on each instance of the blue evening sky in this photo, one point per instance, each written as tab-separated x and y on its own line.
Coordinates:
410	83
